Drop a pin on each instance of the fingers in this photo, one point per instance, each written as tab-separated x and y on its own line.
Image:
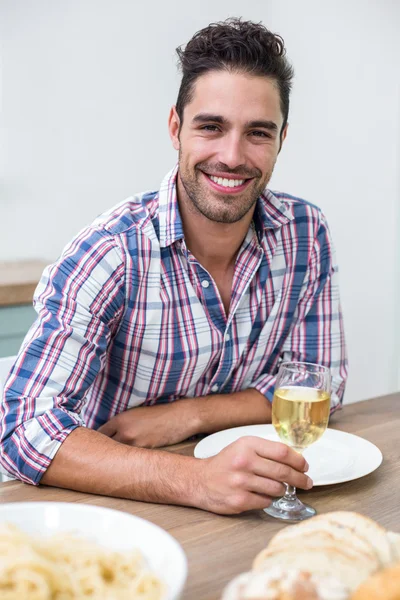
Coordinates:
280	472
276	451
248	473
108	429
270	460
264	486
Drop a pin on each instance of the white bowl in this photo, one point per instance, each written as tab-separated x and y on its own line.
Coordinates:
110	528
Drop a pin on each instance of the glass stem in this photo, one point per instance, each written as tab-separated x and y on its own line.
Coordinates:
290	493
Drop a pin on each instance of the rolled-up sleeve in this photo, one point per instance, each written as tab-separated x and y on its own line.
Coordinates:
79	302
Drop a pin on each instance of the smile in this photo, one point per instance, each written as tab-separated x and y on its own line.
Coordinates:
227	182
226	185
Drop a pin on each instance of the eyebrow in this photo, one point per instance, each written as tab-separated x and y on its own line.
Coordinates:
262	125
208	117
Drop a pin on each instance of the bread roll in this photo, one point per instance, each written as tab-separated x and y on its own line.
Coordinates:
324	532
394	540
325	535
366	529
335	556
324	562
384	585
284	584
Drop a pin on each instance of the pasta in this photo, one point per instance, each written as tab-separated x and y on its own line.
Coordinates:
66	567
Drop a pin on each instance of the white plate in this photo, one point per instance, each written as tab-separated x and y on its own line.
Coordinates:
112	529
337	457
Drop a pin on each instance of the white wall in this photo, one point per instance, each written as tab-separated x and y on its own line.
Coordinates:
87	87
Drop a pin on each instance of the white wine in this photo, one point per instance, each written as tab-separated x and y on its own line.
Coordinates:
300	415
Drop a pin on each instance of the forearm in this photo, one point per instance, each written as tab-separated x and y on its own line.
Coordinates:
89	461
221	411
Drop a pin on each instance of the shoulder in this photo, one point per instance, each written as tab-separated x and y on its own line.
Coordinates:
132	213
298	205
102	240
116	231
303	211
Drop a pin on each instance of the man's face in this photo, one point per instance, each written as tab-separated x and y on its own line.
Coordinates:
228	143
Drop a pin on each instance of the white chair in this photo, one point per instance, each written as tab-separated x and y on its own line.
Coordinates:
5	365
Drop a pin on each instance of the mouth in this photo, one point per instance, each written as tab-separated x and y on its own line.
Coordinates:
227	185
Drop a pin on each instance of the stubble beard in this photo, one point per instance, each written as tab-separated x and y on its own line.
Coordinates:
225	209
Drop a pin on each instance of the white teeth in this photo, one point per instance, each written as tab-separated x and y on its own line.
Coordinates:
227	182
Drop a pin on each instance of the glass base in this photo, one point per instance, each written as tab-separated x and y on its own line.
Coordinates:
290	509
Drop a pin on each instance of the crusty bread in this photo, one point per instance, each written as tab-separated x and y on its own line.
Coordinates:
366	529
327	561
394	540
235	588
284	584
346	544
384	585
326	534
355	530
327	557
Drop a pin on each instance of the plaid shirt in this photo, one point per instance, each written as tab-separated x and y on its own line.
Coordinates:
127	316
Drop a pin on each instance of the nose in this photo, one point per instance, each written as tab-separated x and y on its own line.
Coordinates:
231	150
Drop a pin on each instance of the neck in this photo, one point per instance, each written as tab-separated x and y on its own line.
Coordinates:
215	245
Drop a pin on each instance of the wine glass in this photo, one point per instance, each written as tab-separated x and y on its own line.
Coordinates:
300	414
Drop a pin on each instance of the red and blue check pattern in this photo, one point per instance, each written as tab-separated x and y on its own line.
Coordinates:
127	316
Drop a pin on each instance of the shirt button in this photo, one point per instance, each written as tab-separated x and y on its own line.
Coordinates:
214	388
227	337
205	283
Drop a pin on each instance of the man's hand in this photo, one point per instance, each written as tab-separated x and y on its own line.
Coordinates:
244	476
166	424
247	474
152	426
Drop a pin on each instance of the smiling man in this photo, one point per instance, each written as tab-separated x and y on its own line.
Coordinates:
170	315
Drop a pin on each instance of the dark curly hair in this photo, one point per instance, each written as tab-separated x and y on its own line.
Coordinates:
239	46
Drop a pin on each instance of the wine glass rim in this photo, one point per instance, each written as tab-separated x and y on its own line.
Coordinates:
287	364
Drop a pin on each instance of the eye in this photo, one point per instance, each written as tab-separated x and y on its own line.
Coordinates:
261	134
211	128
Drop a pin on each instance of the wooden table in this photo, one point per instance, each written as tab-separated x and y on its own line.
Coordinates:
217	547
18	280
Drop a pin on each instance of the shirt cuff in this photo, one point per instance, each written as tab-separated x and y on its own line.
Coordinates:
265	385
28	453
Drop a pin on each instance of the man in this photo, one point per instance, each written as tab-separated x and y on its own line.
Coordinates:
170	314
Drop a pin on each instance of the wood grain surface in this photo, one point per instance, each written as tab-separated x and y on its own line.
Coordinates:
218	548
18	281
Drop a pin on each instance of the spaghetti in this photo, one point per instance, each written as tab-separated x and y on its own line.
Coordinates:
66	567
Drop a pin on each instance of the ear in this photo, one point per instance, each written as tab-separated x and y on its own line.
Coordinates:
283	136
174	124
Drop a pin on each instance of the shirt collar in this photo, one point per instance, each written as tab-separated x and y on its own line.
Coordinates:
171	228
271	212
